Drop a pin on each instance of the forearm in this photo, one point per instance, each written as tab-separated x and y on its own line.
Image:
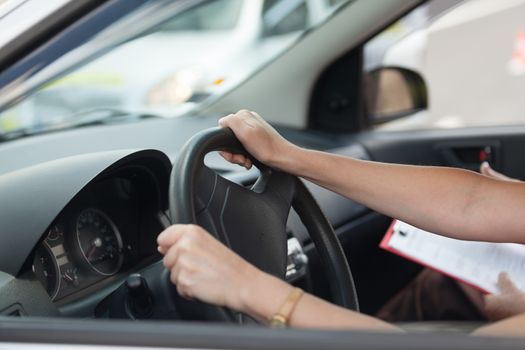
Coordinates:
509	327
452	202
266	294
446	201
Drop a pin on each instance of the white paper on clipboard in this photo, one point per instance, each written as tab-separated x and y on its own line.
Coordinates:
476	263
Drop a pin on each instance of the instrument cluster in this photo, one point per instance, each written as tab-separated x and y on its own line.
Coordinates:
68	260
106	231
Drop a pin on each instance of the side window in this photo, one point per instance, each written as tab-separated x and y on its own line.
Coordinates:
448	64
215	15
284	16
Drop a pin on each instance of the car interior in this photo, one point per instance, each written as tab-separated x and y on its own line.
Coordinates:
82	204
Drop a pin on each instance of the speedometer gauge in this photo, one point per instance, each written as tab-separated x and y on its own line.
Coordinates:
99	242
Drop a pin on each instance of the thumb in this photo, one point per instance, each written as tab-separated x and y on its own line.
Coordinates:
505	284
485	168
236	124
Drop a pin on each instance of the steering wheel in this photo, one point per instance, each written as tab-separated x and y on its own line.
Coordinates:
252	222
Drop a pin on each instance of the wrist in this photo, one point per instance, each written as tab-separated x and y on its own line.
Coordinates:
252	291
263	296
288	158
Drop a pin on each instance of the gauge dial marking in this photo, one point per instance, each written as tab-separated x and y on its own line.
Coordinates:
99	241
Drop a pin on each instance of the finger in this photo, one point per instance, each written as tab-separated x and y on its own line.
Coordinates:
226	155
171	257
232	121
230	157
257	115
493	173
238	159
223	122
169	236
162	249
172	234
235	158
505	284
179	277
238	122
244	114
484	168
174	278
487	170
184	294
174	275
189	245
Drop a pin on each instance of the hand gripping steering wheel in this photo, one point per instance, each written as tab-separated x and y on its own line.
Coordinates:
251	221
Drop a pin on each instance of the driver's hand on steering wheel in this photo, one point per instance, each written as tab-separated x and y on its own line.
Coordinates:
259	138
203	268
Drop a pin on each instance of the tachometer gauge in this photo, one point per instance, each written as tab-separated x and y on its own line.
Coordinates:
99	242
46	270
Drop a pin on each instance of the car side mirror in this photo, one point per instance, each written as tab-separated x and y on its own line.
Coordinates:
392	93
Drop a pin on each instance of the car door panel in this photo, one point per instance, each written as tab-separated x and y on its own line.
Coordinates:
443	147
379	274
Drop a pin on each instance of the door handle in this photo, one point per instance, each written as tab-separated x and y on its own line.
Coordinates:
470	155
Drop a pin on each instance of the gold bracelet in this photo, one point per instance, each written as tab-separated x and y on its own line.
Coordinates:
281	318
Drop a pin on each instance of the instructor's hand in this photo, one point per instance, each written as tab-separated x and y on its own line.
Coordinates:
259	138
487	170
510	301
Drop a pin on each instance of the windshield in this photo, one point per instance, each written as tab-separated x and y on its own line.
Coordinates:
173	67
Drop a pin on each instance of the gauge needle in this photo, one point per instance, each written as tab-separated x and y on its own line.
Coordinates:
97	242
91	252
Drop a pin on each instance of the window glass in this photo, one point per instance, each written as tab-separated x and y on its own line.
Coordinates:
170	69
470	56
284	16
215	15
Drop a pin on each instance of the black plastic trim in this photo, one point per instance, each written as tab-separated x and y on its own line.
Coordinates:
336	102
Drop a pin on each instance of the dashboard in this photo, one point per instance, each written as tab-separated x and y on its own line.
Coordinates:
77	227
80	226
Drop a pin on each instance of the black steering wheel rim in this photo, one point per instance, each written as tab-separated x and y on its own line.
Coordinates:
194	188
